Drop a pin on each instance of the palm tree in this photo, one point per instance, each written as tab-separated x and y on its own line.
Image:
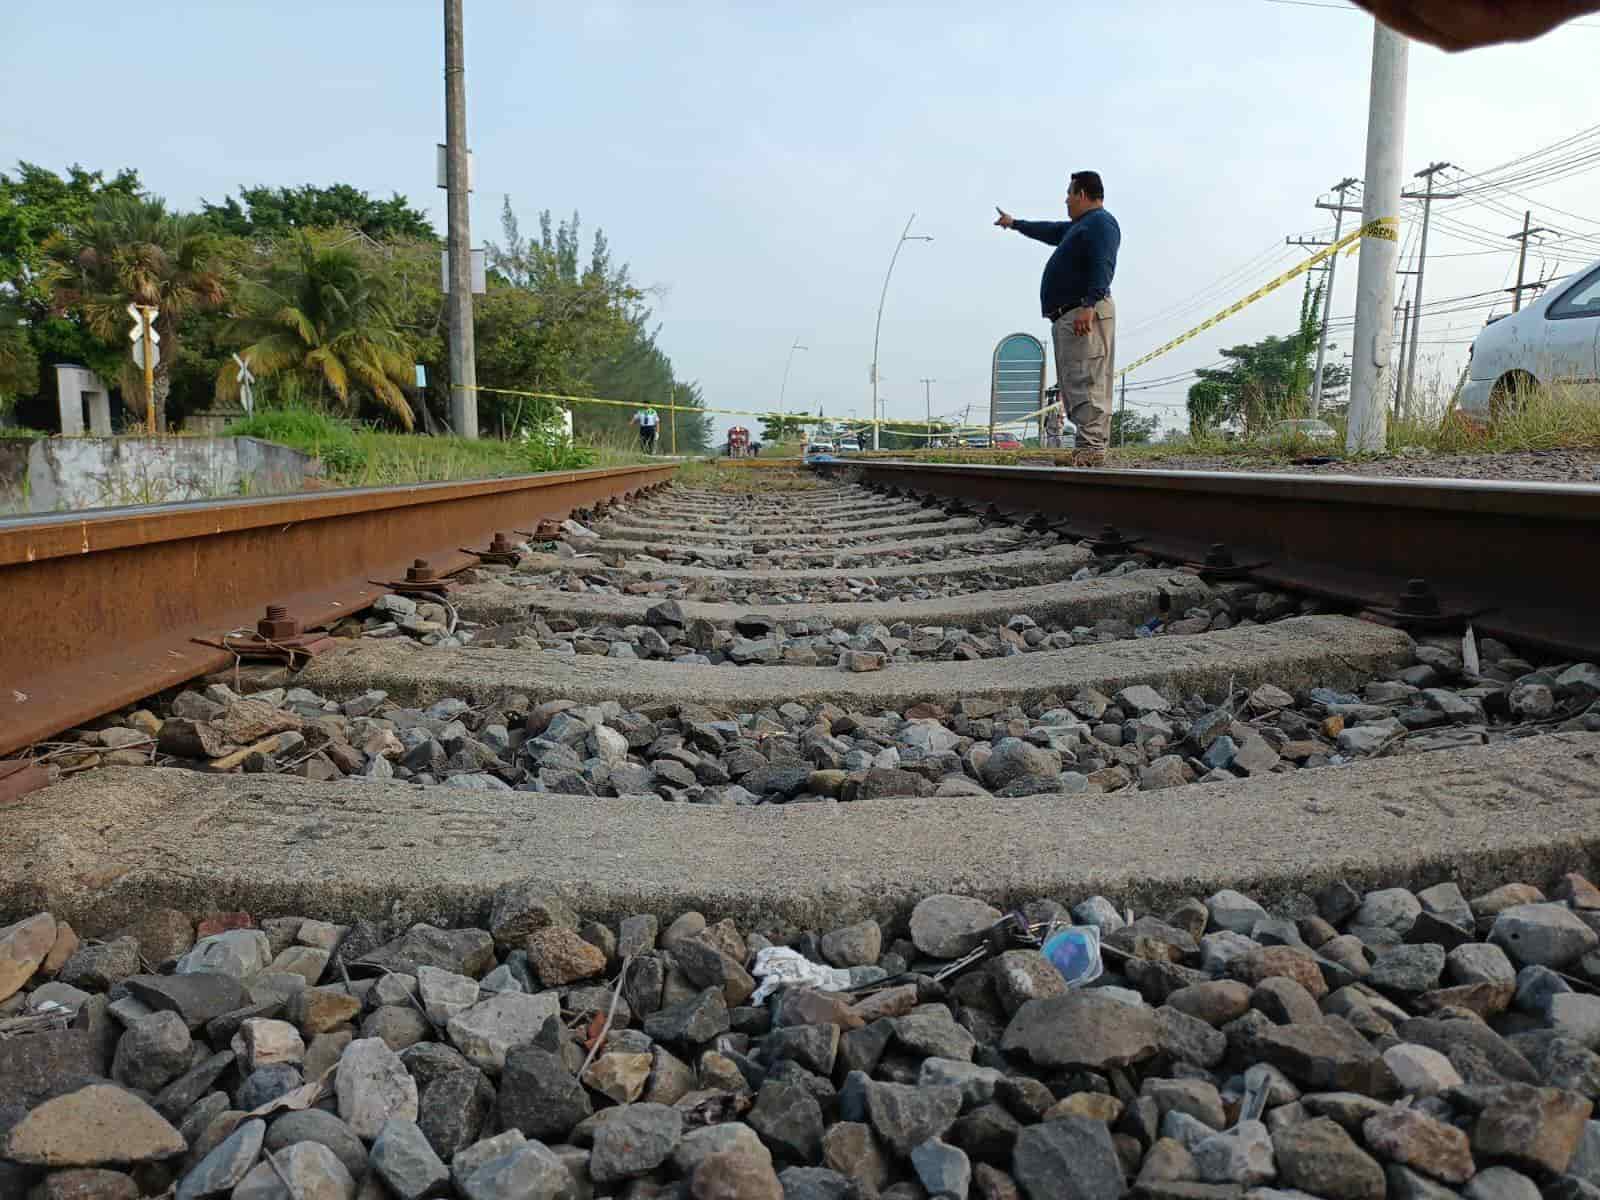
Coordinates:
130	249
322	317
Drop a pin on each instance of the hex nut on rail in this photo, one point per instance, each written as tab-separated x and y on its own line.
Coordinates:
421	577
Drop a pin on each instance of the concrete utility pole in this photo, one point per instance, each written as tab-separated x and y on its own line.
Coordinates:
1339	208
1522	257
1386	135
927	400
463	354
905	236
1122	422
1427	197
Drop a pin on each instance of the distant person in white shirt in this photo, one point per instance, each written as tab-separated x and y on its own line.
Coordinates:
648	422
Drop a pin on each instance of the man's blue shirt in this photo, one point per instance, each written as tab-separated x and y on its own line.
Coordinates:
1080	270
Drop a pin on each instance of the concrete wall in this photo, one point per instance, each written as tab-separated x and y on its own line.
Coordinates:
14	474
66	474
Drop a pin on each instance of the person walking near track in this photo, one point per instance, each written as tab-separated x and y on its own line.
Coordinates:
648	421
1055	419
1075	297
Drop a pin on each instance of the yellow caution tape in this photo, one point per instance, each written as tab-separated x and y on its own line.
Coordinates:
796	418
1384	228
789	418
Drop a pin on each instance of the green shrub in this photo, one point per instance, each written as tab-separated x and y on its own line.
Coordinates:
549	449
298	427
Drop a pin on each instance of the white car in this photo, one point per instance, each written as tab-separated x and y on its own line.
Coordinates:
1556	339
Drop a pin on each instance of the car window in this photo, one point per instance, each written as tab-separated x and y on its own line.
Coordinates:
1581	301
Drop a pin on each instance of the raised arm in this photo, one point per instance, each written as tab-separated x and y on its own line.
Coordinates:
1048	232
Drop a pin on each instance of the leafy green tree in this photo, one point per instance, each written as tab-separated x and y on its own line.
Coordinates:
1335	387
568	319
641	374
553	322
35	204
126	250
1130	429
1208	406
320	324
272	212
19	365
1264	381
775	428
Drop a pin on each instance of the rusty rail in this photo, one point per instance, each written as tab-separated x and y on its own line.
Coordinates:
99	609
1517	558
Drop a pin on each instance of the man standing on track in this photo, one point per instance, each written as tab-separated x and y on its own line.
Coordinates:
1075	296
648	421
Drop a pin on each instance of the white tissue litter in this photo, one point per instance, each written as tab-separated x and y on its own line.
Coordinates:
779	965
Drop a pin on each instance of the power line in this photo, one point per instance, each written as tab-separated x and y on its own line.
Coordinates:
1274	253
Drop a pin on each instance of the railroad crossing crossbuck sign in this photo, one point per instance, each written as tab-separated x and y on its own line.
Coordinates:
136	334
247	397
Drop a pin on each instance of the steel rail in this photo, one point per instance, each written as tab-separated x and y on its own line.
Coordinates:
101	608
1519	559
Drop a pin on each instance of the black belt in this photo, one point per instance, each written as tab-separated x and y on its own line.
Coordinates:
1066	308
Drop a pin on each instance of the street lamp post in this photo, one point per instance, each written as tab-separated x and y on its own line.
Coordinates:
905	236
789	362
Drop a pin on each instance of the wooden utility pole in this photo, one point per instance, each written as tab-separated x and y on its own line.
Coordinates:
1522	258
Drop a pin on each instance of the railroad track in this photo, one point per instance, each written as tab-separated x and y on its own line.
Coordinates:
835	701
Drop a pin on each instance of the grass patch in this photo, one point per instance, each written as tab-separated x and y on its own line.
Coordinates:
1558	417
354	456
711	475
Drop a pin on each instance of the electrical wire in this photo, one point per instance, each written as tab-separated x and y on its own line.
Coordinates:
1274	253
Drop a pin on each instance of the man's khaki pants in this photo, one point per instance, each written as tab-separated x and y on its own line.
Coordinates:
1084	368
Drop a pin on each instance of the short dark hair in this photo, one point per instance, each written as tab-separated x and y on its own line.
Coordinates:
1089	183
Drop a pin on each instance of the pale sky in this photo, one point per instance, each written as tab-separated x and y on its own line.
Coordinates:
759	165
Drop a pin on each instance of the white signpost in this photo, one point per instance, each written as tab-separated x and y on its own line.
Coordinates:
480	271
146	353
137	335
247	379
